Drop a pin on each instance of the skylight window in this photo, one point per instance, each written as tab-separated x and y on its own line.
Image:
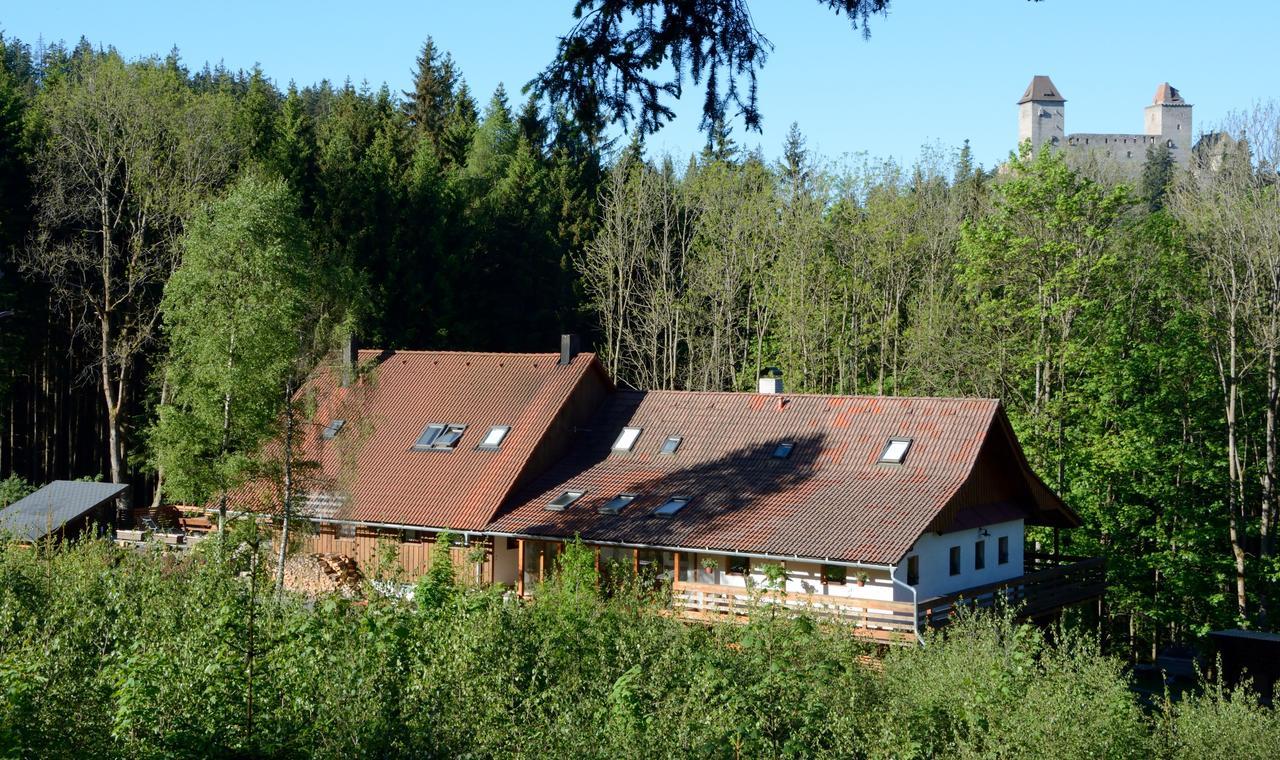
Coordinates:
332	429
492	440
784	450
627	439
670	445
563	500
616	504
439	437
895	451
673	505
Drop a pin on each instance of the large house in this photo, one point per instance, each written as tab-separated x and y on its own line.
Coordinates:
880	510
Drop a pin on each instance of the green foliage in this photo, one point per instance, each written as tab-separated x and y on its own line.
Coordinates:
161	655
235	316
439	585
13	488
1219	724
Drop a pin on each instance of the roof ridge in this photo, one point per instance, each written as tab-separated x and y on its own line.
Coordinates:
467	353
788	394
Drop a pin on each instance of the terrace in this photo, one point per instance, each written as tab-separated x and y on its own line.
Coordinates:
1047	587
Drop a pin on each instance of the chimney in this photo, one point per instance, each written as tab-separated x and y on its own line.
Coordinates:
350	358
770	380
569	347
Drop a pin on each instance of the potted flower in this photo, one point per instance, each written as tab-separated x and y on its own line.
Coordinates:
862	579
710	566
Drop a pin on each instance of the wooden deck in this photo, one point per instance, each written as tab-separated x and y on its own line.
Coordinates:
1035	596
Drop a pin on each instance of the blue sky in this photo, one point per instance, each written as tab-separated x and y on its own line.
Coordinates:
934	72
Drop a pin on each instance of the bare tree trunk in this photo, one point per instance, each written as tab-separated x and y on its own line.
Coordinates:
158	497
1236	496
287	512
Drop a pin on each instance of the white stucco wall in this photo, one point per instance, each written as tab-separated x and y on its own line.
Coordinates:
504	562
934	552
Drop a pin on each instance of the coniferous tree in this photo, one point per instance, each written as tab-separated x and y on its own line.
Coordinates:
1157	174
429	105
459	128
16	303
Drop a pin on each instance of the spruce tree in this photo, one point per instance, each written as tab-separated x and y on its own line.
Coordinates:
430	103
1157	173
459	129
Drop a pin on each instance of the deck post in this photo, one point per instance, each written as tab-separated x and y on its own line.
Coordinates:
676	574
542	562
519	567
635	561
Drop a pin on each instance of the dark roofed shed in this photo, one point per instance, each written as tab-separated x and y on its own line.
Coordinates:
61	507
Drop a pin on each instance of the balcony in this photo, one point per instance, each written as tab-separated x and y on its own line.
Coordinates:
1035	595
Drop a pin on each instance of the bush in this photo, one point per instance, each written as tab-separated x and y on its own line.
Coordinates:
106	652
1220	723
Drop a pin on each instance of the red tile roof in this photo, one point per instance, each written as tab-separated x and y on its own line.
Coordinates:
1041	89
369	470
831	499
1167	94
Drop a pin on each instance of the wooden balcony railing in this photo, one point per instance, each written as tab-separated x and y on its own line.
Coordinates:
1033	595
893	622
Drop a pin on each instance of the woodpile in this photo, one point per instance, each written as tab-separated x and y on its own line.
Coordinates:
318	574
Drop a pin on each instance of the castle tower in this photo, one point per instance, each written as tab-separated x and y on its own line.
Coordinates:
1169	117
1040	114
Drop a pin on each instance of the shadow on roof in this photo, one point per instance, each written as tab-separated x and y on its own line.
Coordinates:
720	489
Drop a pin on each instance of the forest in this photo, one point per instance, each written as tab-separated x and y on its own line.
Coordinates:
1131	328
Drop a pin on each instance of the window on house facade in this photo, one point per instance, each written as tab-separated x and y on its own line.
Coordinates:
332	429
783	450
895	451
563	500
955	560
346	531
627	439
439	437
673	505
834	574
1002	550
670	445
616	504
913	570
979	555
492	440
739	565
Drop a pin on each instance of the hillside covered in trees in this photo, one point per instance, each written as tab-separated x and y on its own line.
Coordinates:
1130	329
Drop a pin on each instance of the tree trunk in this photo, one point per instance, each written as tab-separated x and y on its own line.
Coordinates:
1235	499
287	512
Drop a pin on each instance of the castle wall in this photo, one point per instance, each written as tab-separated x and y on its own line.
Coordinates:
1167	123
1126	152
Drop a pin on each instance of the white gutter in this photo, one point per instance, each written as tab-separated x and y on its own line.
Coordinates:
915	604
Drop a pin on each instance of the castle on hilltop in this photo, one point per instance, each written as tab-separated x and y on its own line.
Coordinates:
1168	122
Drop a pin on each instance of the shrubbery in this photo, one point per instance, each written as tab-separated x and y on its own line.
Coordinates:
108	652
